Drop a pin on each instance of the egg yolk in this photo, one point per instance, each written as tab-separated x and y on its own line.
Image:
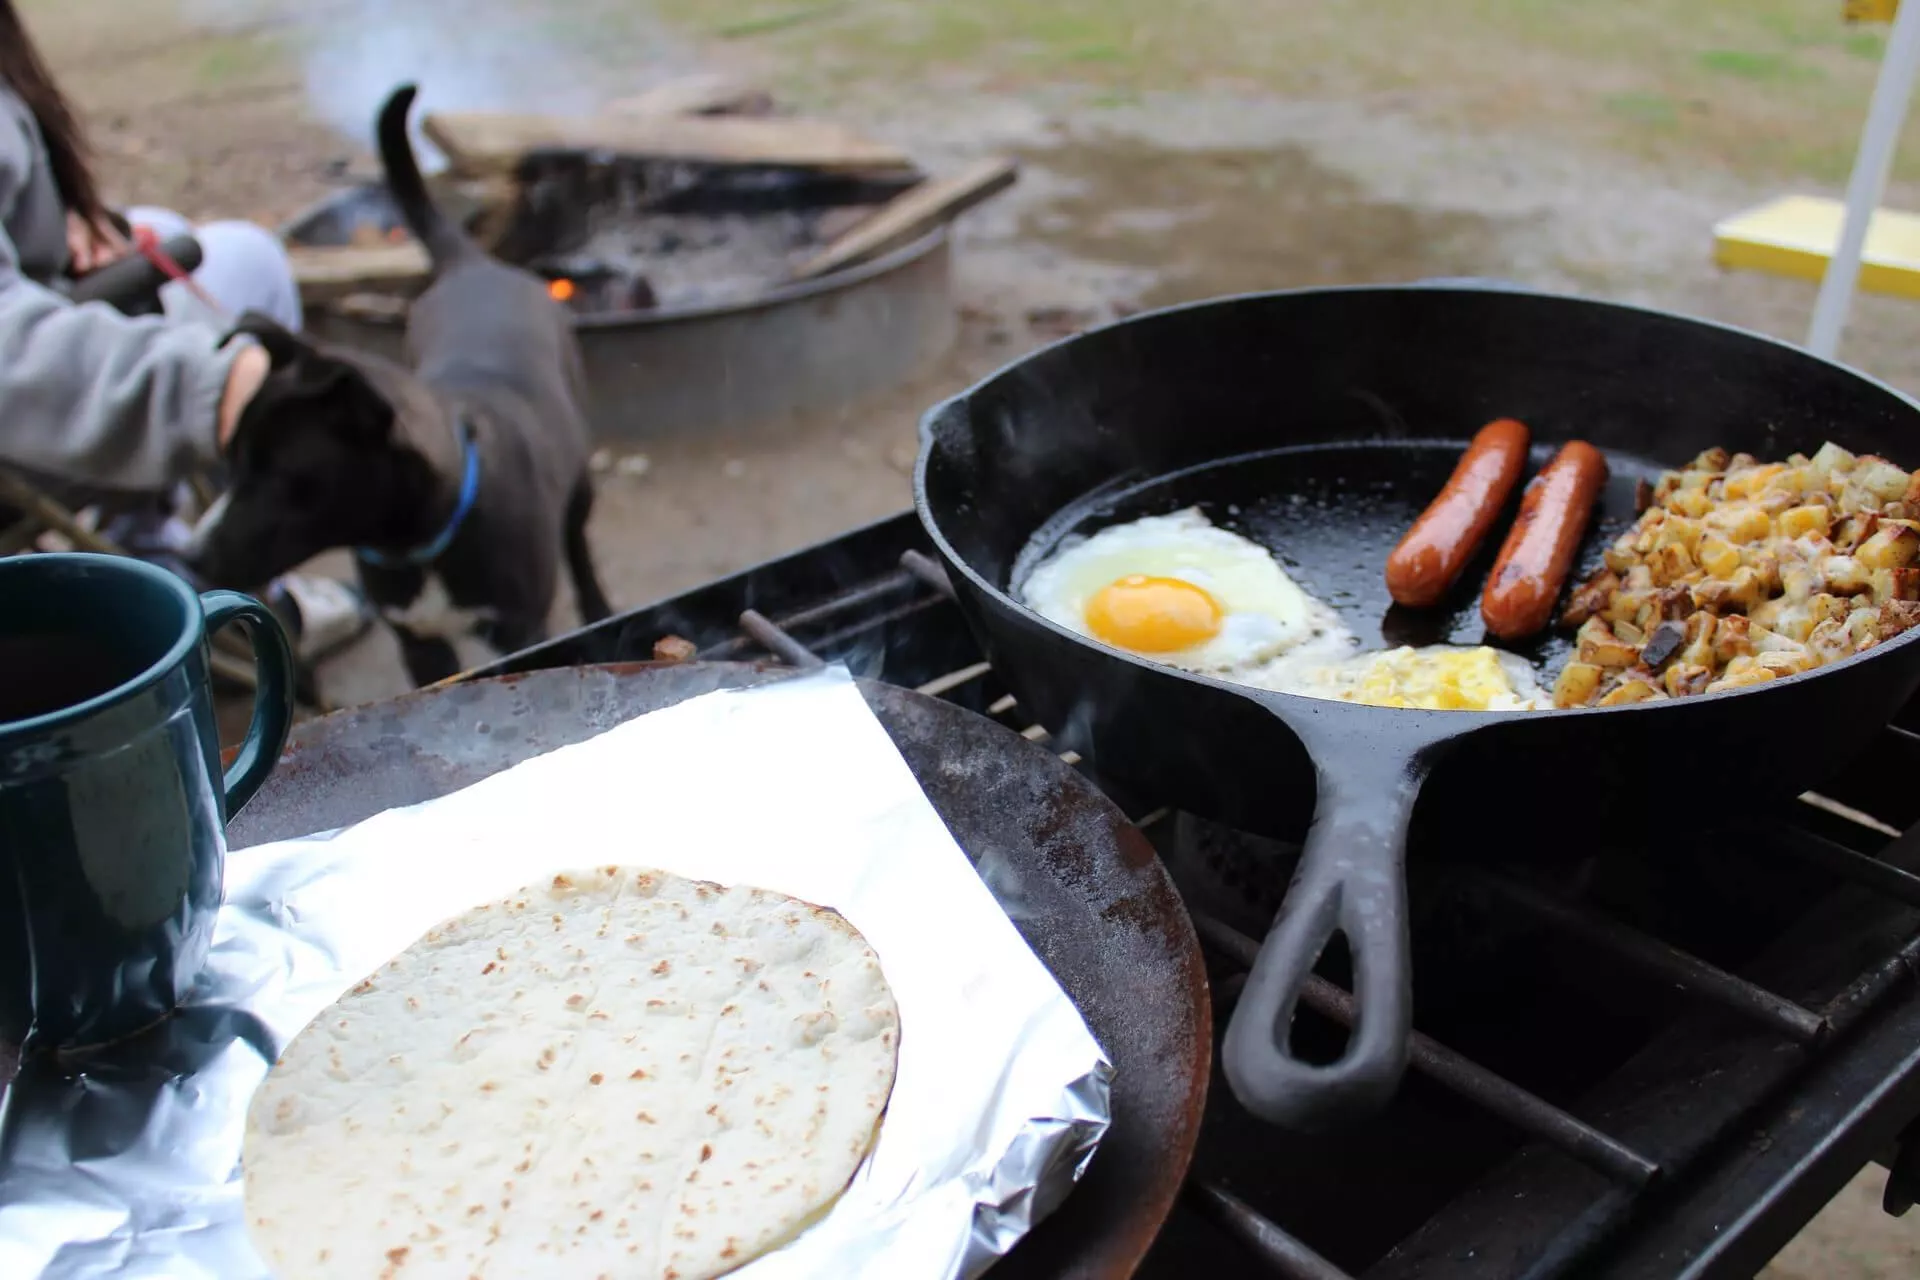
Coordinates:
1153	615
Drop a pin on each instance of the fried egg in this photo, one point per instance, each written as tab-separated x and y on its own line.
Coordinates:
1435	678
1175	589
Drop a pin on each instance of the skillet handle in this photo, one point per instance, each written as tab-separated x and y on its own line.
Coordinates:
1352	881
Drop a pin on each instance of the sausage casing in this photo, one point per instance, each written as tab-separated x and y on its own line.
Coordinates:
1435	551
1539	550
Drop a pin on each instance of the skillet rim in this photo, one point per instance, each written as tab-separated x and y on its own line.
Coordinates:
1467	721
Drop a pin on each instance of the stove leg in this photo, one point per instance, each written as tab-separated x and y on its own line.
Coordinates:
1903	1175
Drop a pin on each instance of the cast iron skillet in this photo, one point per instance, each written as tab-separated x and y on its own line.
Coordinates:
1319	423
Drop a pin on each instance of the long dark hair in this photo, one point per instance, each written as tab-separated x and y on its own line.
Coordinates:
24	71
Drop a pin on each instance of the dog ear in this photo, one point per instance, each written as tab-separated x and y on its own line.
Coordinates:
320	388
281	344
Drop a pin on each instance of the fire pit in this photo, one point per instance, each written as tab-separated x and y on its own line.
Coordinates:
682	278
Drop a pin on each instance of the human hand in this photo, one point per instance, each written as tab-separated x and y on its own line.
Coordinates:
91	246
249	370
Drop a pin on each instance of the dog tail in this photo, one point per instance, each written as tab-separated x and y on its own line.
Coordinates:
445	241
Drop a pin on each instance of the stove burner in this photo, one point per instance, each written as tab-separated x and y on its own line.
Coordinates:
1652	1061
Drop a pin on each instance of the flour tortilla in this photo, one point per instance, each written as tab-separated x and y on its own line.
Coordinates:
616	1073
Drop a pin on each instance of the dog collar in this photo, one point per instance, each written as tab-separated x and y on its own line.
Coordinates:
427	552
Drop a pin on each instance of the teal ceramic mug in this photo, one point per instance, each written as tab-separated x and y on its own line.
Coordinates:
113	802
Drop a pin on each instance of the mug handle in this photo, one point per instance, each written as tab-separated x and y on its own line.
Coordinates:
273	694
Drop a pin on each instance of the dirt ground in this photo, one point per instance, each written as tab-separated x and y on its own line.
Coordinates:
1170	152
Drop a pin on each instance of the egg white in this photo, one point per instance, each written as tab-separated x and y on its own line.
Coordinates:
1265	613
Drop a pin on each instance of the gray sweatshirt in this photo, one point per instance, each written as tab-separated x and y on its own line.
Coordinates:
86	394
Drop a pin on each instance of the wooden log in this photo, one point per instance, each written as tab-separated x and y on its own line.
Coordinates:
912	214
705	94
484	144
326	273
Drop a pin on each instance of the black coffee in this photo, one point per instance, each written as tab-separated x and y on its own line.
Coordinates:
40	674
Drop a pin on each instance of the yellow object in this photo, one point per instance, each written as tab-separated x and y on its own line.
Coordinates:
1462	680
1153	615
1796	235
1869	10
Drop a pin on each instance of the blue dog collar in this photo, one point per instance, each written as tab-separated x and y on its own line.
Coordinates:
428	552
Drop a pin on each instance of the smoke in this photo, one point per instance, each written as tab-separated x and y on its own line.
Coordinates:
477	55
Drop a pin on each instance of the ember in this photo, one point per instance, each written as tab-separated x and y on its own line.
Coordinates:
561	289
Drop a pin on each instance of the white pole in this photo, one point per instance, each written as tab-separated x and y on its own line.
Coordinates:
1878	141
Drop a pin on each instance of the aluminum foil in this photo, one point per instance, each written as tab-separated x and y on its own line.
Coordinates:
132	1168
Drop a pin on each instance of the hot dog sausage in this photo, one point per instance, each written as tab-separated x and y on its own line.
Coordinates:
1437	548
1539	550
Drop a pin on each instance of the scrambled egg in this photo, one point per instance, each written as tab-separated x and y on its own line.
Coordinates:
1440	678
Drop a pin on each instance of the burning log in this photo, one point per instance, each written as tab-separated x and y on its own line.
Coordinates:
483	144
912	214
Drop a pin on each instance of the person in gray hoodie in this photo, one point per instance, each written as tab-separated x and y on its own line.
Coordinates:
110	402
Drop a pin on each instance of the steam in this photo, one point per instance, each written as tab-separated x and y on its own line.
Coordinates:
499	55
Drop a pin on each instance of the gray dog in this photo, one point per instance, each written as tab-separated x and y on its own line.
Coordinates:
461	483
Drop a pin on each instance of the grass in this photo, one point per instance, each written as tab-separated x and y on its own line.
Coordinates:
1767	88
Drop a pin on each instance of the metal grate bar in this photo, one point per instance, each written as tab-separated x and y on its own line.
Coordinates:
1827	804
1659	960
1462	1075
1881	877
947	683
928	570
1285	1255
777	642
1846	1008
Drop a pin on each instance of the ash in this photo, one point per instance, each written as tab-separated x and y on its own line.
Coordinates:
694	260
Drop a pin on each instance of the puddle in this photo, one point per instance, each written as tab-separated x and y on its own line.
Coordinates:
1208	222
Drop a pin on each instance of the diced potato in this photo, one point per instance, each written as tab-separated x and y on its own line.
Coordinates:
1863	625
1692	503
1741	462
1682	532
1788	664
1799	579
1829	458
1745	483
1796	522
1635	690
1628	633
1670	564
1718	556
1619	557
1850	531
1589	598
1683	679
1639	578
1733	680
1732	637
1886	482
1825	608
1739	521
1793	622
1829	640
1601	647
1626	605
1577	684
1844	575
1896	616
1895	584
1712	460
1894	545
